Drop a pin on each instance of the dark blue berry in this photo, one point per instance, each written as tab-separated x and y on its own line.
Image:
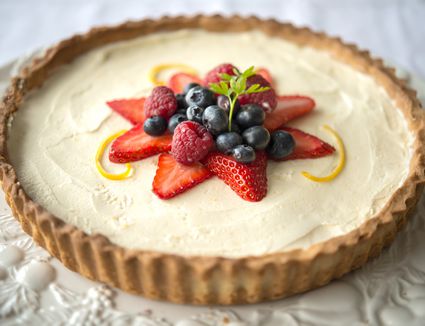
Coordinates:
155	126
281	144
224	103
243	153
200	96
194	113
189	86
215	120
175	120
227	141
181	102
250	115
257	137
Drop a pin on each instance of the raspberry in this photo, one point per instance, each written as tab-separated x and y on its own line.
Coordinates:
161	102
267	100
213	76
191	142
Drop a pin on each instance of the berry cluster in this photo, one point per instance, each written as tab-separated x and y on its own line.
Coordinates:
199	119
227	124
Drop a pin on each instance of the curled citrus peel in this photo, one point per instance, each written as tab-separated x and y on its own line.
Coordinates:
341	162
156	70
99	155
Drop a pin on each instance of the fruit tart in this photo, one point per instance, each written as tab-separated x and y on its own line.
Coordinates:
211	160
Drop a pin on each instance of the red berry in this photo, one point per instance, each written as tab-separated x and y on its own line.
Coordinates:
267	99
307	146
173	178
178	81
266	75
135	145
131	109
191	142
287	109
249	180
161	102
213	76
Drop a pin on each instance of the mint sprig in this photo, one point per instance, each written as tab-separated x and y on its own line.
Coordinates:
234	86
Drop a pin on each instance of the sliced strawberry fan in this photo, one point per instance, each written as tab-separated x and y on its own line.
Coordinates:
178	81
173	178
136	145
130	109
307	146
288	108
249	181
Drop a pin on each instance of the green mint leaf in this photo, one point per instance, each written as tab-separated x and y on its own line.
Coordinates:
256	89
236	71
240	85
224	86
245	74
217	89
233	85
263	89
225	76
249	72
252	89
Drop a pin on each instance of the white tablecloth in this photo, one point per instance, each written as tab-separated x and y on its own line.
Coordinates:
393	29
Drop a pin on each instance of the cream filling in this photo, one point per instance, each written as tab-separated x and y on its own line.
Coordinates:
54	138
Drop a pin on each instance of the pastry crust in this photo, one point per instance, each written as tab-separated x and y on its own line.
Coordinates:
213	280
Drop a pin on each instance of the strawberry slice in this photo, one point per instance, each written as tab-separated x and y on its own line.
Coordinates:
131	109
307	146
265	73
249	181
287	109
135	145
173	178
178	81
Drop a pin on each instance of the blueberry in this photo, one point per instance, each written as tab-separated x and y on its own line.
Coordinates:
224	103
194	113
200	96
189	86
243	153
227	141
215	120
155	126
250	115
257	137
175	120
181	102
281	144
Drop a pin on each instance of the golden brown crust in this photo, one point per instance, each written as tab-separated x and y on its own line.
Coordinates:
212	280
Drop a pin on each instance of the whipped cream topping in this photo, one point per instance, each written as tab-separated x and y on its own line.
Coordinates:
54	137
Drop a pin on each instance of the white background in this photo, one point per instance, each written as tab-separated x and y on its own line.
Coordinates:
393	29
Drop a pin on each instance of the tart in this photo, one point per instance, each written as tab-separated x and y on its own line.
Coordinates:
208	245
